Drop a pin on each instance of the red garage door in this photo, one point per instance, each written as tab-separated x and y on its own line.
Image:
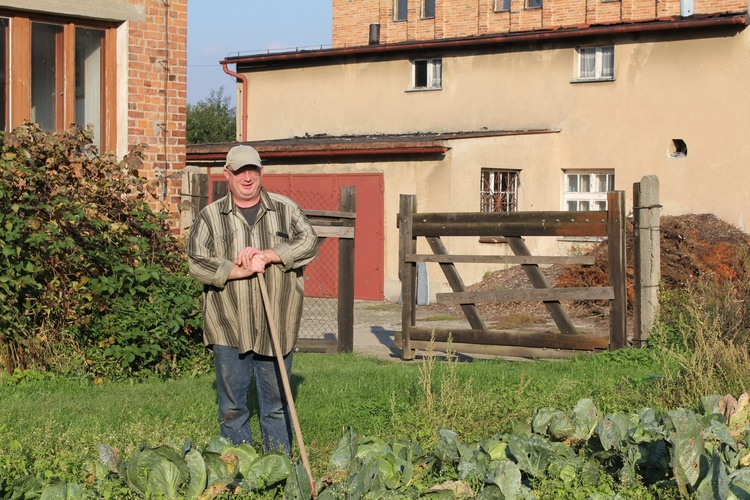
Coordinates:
321	192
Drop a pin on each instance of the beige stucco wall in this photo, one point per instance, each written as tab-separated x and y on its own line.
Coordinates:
663	90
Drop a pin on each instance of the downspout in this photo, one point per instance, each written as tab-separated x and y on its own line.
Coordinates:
243	101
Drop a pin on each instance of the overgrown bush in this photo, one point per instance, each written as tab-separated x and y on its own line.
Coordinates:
91	279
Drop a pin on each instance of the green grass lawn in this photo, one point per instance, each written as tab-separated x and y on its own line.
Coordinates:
52	427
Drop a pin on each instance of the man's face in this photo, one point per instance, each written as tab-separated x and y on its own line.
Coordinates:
244	184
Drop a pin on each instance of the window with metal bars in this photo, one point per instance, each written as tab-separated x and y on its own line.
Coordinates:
499	190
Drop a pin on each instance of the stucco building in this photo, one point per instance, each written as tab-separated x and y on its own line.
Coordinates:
117	65
501	105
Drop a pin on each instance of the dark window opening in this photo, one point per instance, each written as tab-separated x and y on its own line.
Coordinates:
401	10
420	74
427	74
502	5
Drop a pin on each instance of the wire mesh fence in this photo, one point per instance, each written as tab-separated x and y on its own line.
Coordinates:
320	313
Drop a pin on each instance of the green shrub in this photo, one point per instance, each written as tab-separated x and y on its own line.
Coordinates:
90	275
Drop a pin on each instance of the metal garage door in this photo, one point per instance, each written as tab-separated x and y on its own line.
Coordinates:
321	192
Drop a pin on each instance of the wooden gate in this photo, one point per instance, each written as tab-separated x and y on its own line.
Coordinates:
514	226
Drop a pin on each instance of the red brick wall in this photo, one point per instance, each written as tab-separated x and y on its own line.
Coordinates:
157	95
460	18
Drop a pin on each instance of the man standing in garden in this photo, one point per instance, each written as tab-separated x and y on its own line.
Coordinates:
251	231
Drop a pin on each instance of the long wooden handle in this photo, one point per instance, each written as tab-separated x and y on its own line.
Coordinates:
285	378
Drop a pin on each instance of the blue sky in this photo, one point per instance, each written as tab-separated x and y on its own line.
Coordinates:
221	28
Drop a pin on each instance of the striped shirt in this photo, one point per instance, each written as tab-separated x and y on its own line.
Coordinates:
233	310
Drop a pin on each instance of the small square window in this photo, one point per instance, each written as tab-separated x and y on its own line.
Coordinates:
427	74
533	4
596	63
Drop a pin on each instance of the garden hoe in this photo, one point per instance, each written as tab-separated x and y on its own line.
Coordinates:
285	378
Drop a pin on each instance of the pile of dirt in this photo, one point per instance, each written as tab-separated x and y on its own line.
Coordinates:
693	246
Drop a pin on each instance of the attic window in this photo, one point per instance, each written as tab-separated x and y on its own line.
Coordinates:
678	149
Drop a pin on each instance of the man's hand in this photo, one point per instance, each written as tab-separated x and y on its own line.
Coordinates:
245	257
249	261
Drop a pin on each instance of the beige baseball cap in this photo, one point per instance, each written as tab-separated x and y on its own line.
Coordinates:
240	156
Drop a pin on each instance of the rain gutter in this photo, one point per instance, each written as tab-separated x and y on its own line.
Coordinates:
328	153
242	101
478	41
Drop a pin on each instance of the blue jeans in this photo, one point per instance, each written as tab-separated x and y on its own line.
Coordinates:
234	372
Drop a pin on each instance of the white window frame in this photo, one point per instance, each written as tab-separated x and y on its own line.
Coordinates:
433	77
600	65
498	189
502	5
585	190
534	4
424	9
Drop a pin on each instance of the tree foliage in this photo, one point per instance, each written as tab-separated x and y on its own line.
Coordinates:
211	120
91	278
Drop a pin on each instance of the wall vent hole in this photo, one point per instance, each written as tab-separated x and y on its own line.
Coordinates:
678	149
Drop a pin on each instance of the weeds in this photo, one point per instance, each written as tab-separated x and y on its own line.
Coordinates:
443	398
704	332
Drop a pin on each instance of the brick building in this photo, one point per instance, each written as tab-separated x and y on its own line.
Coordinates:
355	21
500	105
120	66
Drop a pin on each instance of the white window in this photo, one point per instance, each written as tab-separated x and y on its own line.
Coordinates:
427	74
428	9
400	10
502	5
587	190
533	4
596	63
499	190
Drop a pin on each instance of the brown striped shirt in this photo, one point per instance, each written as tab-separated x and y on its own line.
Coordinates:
233	309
